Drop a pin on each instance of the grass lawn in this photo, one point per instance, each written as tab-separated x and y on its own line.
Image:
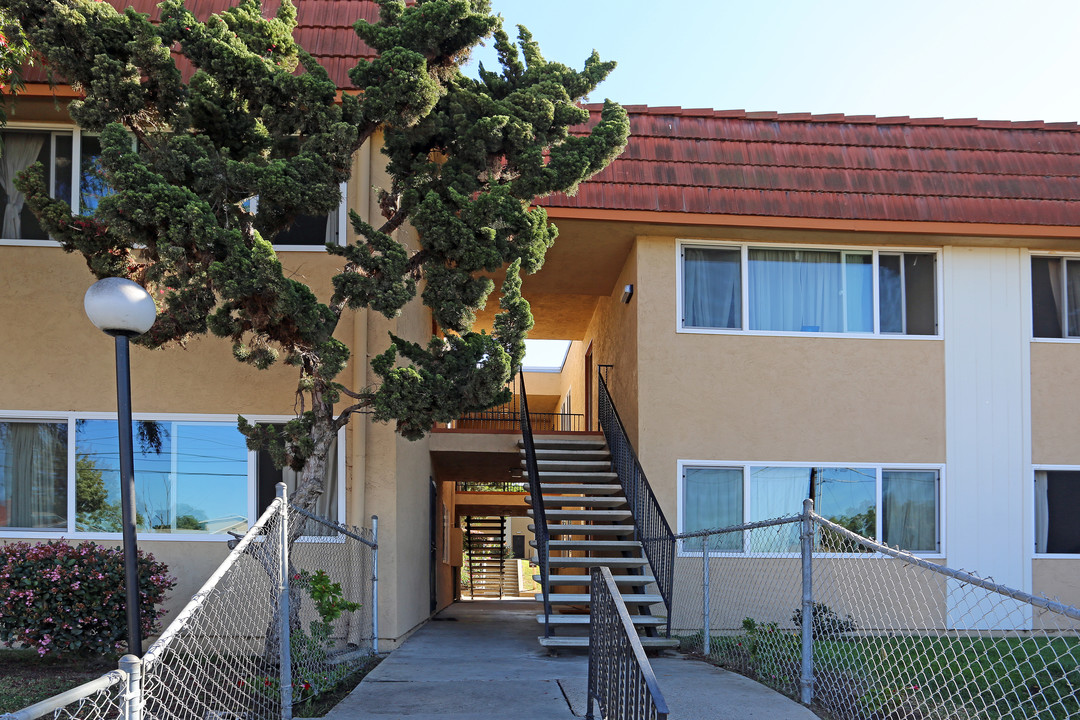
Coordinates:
28	679
866	677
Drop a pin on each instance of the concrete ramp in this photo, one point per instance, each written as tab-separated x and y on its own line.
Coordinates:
479	660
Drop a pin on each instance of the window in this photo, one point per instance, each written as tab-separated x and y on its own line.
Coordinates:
897	506
193	477
81	184
1057	498
268	476
808	290
33	475
1055	297
311	232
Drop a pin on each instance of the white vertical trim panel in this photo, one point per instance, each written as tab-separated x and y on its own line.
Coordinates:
985	427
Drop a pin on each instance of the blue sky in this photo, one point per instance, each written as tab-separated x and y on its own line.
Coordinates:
989	59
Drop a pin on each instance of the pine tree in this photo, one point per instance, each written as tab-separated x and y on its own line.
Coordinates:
260	118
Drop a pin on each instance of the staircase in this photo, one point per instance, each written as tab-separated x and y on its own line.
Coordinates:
484	545
589	524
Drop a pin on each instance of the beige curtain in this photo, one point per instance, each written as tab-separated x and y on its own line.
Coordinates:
20	152
34	474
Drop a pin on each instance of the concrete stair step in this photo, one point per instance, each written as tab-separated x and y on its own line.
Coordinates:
584	562
569	454
556	641
554	530
577	598
627	545
577	477
580	488
587	579
566	441
639	620
601	515
571	466
601	501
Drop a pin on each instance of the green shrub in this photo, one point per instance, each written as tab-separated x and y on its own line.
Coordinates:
824	621
55	597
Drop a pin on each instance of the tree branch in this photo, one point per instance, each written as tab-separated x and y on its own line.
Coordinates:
343	419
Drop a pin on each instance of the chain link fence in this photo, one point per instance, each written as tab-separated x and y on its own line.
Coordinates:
867	632
290	613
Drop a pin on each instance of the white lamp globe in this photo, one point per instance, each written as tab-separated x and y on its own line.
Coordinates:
120	307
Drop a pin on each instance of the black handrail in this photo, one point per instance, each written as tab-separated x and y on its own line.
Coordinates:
536	499
621	680
652	528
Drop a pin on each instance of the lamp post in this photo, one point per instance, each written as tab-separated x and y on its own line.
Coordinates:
123	309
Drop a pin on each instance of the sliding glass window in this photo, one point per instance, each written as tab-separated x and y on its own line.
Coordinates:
796	290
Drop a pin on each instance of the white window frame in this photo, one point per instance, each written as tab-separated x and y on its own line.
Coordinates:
745	465
1050	468
252	486
1028	303
744	247
74	201
76	149
342	219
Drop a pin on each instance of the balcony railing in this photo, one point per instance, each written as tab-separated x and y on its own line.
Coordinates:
502	418
492	487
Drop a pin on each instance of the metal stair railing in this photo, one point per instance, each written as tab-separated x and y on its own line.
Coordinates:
621	680
652	528
536	499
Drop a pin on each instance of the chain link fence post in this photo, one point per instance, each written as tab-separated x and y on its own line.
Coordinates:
375	585
285	651
706	642
806	681
132	703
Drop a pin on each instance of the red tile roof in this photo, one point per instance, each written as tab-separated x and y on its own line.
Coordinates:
840	167
324	29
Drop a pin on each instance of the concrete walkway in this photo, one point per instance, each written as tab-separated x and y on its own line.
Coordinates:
480	660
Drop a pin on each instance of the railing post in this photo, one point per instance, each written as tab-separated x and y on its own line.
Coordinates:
285	651
375	585
806	681
706	643
131	665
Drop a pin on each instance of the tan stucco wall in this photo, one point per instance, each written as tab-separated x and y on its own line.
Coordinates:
52	358
1055	403
746	397
1057	579
613	332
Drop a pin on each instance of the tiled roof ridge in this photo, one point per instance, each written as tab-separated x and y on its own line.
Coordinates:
841	118
849	168
847	144
860	191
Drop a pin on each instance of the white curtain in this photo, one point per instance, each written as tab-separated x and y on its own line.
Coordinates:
1042	512
331	234
33	474
795	290
775	492
326	506
713	498
20	152
1072	294
909	500
712	294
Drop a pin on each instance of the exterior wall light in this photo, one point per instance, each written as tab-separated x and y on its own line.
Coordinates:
627	293
123	309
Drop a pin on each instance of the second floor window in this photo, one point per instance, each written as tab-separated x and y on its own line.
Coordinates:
809	290
1055	297
78	183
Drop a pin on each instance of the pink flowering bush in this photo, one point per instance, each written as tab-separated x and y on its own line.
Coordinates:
61	598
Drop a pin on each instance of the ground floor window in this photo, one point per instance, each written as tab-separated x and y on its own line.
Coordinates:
1057	500
894	505
194	476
